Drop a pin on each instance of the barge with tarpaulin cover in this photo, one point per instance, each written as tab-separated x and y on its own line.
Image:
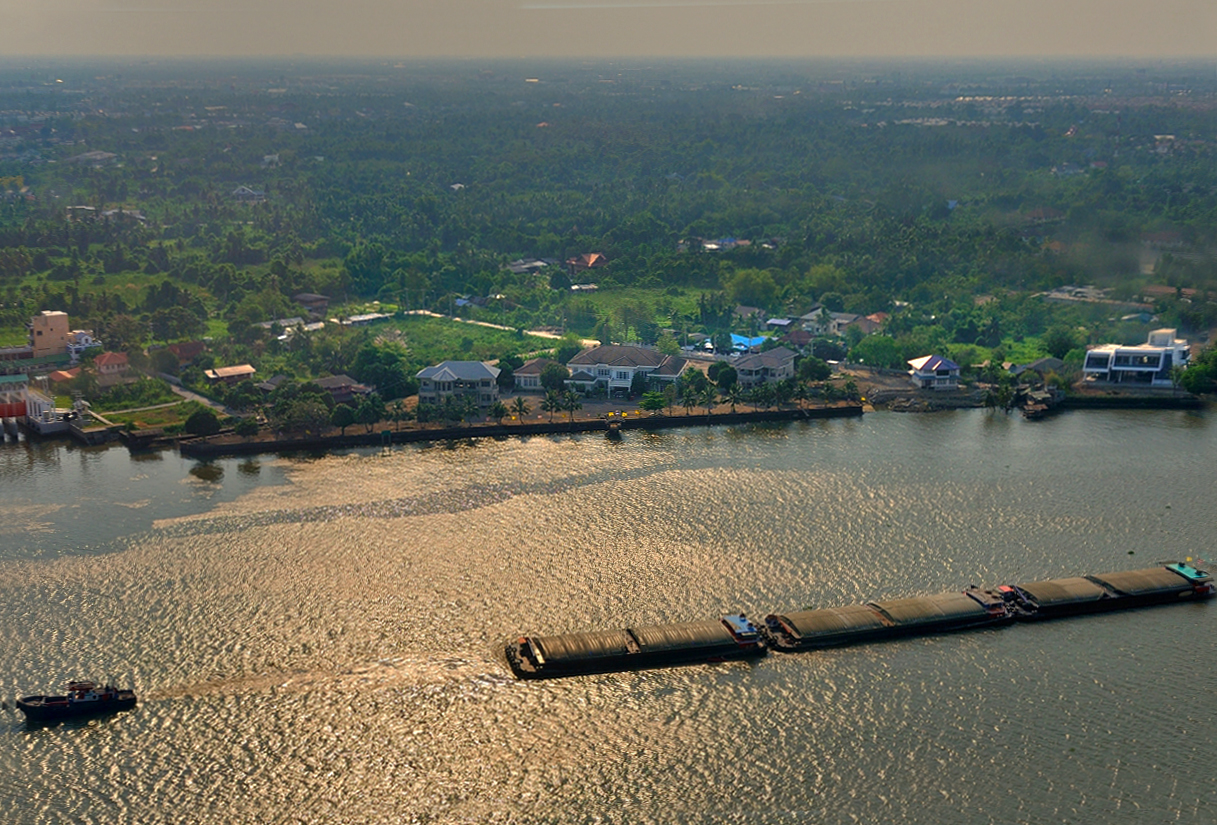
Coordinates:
1057	598
873	621
543	657
734	637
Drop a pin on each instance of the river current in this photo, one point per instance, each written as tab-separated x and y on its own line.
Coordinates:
319	639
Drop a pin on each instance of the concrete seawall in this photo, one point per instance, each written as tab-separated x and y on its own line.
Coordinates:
208	448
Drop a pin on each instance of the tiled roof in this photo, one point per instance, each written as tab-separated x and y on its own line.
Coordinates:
619	355
108	358
459	371
534	366
625	355
770	360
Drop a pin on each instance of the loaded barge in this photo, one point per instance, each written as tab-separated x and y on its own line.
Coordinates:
735	637
546	657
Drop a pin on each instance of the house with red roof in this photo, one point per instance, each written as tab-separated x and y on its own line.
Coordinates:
584	262
113	368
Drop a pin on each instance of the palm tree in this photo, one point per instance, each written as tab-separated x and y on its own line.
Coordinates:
688	398
707	397
733	395
551	404
497	410
571	403
469	407
520	407
801	393
783	392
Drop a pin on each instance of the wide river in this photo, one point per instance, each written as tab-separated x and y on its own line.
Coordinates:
319	640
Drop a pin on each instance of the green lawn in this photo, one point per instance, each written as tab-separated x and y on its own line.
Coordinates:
431	340
160	418
14	336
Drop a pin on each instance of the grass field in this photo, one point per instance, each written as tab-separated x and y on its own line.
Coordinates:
159	418
431	340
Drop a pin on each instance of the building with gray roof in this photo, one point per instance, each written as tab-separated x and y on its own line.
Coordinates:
459	378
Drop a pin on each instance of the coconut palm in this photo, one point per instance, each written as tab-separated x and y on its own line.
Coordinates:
733	395
520	407
689	398
497	410
571	403
551	404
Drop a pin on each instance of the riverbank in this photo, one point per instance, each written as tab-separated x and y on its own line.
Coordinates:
228	444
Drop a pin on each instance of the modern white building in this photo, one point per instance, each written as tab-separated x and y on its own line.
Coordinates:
1148	364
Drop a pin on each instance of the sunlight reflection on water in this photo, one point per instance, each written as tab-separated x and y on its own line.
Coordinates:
321	641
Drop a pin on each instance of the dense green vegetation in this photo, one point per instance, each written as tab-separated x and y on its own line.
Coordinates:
946	202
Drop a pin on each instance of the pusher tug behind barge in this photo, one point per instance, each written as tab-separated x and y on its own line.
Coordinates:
735	637
82	699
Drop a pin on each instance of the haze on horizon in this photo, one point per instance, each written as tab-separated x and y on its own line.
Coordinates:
612	28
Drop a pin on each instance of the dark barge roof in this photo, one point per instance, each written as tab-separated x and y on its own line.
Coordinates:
734	637
1143	582
944	608
1055	592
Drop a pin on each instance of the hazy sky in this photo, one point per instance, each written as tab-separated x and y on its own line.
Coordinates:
599	28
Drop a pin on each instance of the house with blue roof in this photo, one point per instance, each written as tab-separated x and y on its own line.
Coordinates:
933	372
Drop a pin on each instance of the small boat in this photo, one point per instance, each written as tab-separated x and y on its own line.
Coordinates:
81	699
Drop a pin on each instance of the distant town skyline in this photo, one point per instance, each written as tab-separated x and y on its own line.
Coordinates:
613	28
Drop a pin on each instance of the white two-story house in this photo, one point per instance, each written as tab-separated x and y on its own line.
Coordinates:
613	366
933	372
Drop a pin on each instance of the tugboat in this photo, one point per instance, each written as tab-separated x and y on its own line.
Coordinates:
82	699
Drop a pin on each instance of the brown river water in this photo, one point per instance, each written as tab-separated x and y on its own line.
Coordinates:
318	639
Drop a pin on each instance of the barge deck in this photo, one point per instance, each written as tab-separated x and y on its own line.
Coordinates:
735	637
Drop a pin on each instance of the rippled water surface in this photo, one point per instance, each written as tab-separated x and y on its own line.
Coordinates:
319	639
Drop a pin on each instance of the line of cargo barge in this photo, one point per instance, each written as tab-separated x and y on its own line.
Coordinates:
736	637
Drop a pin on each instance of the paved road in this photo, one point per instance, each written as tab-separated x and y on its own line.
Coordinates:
194	396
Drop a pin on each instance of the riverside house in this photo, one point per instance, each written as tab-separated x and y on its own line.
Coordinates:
1147	364
933	372
528	376
764	367
613	367
112	369
459	378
